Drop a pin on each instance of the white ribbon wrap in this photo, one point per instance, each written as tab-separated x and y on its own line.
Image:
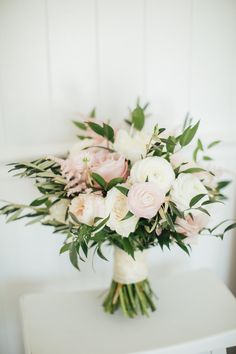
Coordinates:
126	269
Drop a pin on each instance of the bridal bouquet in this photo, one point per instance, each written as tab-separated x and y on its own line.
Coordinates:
127	188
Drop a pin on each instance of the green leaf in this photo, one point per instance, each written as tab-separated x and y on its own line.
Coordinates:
199	145
108	132
73	255
35	220
223	184
123	190
175	210
101	224
79	125
92	114
100	254
196	199
216	142
14	216
99	179
128	246
230	227
84	247
204	211
170	144
98	129
39	201
170	222
127	216
138	118
114	182
65	248
193	170
183	247
188	134
207	158
74	218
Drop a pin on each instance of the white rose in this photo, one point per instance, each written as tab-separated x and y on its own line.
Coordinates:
117	208
57	211
79	146
86	207
185	187
131	147
154	169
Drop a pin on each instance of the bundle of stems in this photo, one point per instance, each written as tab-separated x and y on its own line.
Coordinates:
132	299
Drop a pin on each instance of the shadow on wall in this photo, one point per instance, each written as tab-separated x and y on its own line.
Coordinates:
232	273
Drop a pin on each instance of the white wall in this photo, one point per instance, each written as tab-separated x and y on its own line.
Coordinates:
62	57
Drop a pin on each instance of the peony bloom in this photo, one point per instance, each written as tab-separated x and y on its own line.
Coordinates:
145	199
190	226
185	187
153	169
110	166
131	147
117	207
86	207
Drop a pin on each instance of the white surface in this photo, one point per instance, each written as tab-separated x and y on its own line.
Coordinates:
196	313
61	57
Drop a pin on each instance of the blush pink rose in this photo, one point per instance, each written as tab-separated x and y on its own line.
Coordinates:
190	226
110	166
145	199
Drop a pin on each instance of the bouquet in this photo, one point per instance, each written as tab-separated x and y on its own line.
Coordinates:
127	188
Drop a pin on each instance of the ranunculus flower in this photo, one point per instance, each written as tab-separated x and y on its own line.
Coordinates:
117	207
110	166
153	169
145	199
190	226
86	207
131	147
185	187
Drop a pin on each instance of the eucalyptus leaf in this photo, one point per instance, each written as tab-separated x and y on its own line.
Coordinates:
138	118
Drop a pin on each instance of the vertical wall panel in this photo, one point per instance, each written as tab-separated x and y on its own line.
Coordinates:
168	36
214	28
23	71
120	56
71	26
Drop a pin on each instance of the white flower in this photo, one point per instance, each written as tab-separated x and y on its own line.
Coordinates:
131	147
79	146
154	169
86	207
185	187
58	211
117	208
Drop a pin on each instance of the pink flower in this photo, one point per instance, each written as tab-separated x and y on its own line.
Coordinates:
190	226
110	166
145	199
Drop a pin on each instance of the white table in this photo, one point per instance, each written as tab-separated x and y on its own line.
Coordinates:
196	313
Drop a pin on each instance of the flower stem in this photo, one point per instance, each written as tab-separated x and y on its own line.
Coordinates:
132	299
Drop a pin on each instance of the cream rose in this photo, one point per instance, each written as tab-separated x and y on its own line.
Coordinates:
185	187
117	208
131	147
57	211
86	207
153	169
